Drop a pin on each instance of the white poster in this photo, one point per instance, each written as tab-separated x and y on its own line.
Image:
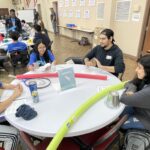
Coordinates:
60	3
78	14
100	11
86	14
65	13
91	2
136	16
82	2
74	2
70	14
123	10
66	3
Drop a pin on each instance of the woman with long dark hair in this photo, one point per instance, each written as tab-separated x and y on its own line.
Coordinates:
137	97
40	55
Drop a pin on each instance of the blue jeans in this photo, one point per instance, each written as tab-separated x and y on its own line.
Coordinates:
132	122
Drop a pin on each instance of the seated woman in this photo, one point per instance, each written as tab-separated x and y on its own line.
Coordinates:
137	97
8	134
41	55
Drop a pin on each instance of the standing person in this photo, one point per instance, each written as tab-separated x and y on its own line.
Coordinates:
107	56
53	20
36	16
137	97
13	23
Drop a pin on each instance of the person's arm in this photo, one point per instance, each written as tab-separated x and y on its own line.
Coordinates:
89	56
17	92
19	25
32	61
138	99
118	64
106	68
51	57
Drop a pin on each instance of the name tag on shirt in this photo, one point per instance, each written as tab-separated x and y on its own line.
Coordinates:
108	57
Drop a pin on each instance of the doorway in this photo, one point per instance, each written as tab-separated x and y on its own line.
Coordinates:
55	7
145	37
39	10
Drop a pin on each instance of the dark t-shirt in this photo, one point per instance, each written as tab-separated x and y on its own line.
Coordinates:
43	37
111	57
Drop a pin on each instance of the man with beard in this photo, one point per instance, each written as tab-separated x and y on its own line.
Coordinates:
107	56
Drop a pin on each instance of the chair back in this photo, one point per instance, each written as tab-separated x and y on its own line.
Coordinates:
19	57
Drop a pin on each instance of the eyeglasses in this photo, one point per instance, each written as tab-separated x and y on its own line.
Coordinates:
42	48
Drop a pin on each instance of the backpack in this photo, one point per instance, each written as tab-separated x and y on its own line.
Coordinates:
137	140
84	41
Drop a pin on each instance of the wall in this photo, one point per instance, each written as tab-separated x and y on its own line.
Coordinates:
6	4
127	33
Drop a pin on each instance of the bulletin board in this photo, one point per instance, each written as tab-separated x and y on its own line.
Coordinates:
82	13
26	14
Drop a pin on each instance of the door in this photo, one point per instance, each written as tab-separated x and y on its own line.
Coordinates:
146	46
39	10
55	7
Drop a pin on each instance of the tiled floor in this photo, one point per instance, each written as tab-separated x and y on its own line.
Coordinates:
63	48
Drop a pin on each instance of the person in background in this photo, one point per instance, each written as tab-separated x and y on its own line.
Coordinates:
39	35
8	134
136	97
107	56
16	45
53	20
13	23
41	23
41	55
36	16
25	27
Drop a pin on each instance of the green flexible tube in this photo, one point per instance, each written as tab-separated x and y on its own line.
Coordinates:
74	117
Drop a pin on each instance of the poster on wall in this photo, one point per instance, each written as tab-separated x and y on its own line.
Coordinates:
74	2
136	16
82	2
60	3
66	3
78	14
70	14
100	11
86	14
91	2
65	13
123	10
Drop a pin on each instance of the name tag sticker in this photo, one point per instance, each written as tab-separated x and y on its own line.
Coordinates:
108	57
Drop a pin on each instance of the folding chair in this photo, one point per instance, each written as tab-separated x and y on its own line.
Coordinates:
102	139
76	60
19	57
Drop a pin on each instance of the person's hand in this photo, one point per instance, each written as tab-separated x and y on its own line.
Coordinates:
31	68
17	91
129	93
88	63
99	65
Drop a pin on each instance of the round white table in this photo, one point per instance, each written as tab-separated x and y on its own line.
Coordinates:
56	106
